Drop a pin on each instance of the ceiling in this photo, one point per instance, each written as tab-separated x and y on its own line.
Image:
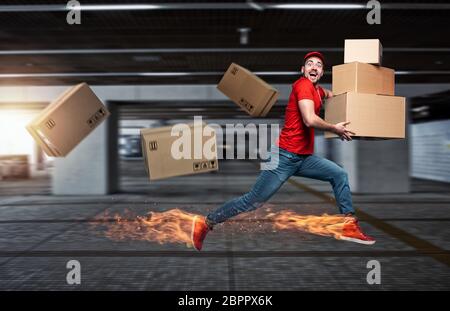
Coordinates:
172	110
196	42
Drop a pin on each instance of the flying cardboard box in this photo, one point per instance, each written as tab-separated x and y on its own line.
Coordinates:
179	150
370	115
368	51
363	78
67	120
248	91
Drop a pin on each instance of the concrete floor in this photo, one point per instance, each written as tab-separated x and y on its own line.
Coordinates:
40	233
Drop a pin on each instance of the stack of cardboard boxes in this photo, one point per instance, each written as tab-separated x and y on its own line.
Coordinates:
364	94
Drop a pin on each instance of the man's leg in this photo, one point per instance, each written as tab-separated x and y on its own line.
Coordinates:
322	169
267	184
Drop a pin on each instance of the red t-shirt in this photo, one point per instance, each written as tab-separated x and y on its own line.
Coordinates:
295	136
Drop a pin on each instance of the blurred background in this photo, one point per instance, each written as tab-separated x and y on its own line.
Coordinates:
158	63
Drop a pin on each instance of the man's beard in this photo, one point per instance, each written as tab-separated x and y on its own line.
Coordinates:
317	79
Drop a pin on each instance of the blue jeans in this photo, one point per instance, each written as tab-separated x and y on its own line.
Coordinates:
269	181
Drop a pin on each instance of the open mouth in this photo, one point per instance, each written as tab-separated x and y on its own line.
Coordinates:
313	74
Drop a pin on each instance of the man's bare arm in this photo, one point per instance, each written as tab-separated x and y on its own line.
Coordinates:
310	119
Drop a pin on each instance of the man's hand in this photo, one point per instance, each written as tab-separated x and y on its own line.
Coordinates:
328	93
343	133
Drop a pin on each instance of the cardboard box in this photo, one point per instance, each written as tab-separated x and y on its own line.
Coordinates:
368	51
370	116
161	150
363	78
14	166
249	92
66	121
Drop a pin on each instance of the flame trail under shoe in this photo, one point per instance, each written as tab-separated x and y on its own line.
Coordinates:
175	225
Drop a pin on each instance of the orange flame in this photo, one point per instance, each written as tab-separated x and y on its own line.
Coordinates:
174	226
325	225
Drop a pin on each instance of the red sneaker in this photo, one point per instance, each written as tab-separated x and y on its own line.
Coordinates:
353	233
199	231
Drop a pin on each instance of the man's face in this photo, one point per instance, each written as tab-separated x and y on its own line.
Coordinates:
313	69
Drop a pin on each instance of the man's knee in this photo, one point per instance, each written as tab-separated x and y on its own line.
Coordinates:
340	175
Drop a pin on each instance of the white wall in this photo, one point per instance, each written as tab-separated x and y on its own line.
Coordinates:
430	150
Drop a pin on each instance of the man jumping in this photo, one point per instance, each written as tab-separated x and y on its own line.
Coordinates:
295	148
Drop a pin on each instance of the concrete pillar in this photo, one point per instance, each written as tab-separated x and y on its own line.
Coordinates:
39	156
320	146
91	168
112	125
378	166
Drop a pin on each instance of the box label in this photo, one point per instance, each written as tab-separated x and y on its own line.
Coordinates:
245	104
97	116
204	165
153	145
50	124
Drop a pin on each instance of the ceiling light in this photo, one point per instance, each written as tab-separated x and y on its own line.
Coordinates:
113	7
192	109
420	109
276	73
147	58
244	35
310	6
255	5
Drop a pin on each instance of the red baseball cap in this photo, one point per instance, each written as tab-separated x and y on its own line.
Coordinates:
314	54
